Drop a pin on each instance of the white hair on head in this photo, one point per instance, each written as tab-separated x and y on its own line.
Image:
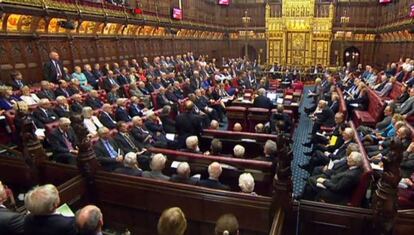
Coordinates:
214	170
130	159
42	200
158	162
183	168
246	182
238	151
191	141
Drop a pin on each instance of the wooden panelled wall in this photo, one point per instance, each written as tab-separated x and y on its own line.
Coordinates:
28	55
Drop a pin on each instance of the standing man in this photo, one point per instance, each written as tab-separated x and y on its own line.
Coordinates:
53	69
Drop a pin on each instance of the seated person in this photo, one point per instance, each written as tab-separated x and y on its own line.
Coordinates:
259	128
89	220
62	107
183	174
162	100
64	142
83	81
237	127
42	202
227	224
262	101
106	118
215	148
113	95
406	192
386	90
214	125
44	114
107	151
135	91
62	90
246	183
407	108
135	108
6	99
121	113
77	104
153	124
376	152
29	98
74	87
17	82
238	151
338	187
46	91
380	126
192	145
93	100
269	151
214	172
202	103
140	132
323	116
168	124
407	163
279	115
126	141
403	95
10	222
130	165
157	165
90	121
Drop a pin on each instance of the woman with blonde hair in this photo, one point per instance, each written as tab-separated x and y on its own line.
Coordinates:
172	222
90	121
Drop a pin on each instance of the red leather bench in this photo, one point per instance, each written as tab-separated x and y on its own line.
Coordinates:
359	193
10	116
395	91
374	112
236	114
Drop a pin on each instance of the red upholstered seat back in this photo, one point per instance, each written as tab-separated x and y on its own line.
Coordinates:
126	90
395	91
342	104
236	114
154	96
359	193
376	105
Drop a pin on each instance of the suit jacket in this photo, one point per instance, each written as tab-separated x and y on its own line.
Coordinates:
215	184
155	175
104	156
128	171
50	72
134	110
94	103
73	90
340	186
168	123
262	102
180	179
187	124
62	92
407	107
385	91
362	101
403	97
384	123
108	82
124	145
122	80
76	107
107	120
326	117
41	118
49	94
58	143
11	223
162	100
121	114
140	134
91	78
153	126
16	86
61	112
49	225
334	106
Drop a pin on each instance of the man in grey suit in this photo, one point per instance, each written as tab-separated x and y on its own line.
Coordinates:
157	165
407	108
386	90
10	222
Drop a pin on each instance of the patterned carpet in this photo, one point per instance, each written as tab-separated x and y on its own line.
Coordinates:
300	136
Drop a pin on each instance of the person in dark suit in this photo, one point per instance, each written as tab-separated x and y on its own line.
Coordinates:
168	124
109	81
42	202
214	172
126	141
130	165
11	223
183	175
339	187
64	142
53	69
187	124
77	104
74	87
162	99
323	116
17	82
140	132
90	76
93	100
62	90
46	91
279	115
89	220
121	112
262	101
157	165
134	108
106	118
44	114
123	78
107	151
62	107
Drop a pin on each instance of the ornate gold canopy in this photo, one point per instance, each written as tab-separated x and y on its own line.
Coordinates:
298	37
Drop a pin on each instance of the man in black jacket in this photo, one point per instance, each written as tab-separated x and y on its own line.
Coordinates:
187	124
126	141
121	113
62	89
46	91
107	151
106	118
62	108
11	223
17	82
44	114
64	143
183	174
262	101
42	202
214	172
53	69
93	100
323	116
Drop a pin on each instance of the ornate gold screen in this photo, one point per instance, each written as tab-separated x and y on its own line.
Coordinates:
298	38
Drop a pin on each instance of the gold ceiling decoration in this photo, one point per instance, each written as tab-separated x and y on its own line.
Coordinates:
298	37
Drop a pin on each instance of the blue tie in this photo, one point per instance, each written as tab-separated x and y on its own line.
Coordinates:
110	149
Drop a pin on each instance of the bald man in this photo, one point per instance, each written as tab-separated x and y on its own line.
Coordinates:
214	172
89	220
53	68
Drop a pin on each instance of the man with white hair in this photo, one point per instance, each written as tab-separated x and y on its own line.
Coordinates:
238	151
214	172
89	220
157	165
44	113
246	183
64	142
192	144
10	222
62	107
262	101
214	125
269	151
183	174
338	187
105	116
53	69
42	202
121	113
107	151
130	166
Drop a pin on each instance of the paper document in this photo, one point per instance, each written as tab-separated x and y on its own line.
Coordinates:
175	164
170	136
333	140
331	164
65	210
40	132
376	167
